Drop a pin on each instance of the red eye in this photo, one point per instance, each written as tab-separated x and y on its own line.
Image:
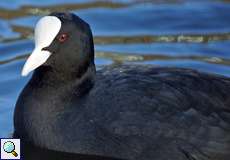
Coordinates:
62	38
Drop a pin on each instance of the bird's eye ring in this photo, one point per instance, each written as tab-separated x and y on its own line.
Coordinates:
62	38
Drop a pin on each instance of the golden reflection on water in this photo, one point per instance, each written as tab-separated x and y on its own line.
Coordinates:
129	57
44	10
26	32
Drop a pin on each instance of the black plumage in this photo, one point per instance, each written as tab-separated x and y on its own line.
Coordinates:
128	111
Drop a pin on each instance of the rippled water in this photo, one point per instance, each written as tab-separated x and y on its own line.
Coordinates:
184	33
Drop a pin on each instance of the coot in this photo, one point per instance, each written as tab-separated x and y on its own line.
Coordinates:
135	112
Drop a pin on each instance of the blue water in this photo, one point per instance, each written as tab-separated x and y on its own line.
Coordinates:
183	33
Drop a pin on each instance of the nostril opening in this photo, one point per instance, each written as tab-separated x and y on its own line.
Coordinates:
45	49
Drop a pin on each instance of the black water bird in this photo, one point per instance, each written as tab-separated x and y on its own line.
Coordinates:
136	112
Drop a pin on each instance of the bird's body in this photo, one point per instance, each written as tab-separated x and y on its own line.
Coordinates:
135	112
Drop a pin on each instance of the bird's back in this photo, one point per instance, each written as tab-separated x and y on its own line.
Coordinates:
141	112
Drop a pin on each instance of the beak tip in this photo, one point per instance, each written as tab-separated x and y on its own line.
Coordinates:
24	72
23	75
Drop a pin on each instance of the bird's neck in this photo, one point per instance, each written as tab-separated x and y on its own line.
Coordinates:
45	99
81	79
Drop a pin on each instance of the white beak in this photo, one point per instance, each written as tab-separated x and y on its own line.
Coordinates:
46	30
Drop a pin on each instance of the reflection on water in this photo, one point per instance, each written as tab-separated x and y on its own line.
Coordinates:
183	33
